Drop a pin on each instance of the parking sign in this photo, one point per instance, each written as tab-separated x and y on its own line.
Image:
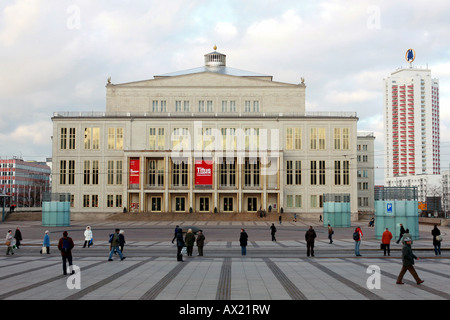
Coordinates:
389	208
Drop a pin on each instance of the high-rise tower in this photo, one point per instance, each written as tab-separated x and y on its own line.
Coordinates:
411	119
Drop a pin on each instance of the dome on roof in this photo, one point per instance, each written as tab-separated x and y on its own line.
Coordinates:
215	59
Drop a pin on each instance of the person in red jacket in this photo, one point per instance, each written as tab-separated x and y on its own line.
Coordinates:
357	236
65	245
386	241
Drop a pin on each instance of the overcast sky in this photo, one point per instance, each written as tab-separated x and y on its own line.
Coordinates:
56	55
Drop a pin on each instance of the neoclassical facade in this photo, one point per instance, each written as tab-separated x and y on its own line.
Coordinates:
209	139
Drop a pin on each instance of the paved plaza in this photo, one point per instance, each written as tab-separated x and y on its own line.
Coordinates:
271	270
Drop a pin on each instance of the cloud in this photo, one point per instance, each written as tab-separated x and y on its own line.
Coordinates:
18	19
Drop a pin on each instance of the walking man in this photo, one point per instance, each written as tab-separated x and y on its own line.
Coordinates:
330	233
408	262
115	243
402	231
310	235
65	245
273	229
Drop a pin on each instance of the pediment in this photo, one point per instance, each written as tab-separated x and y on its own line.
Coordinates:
204	79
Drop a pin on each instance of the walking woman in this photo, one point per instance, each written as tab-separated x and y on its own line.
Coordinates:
436	240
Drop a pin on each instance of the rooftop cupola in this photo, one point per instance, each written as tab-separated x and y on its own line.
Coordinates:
215	59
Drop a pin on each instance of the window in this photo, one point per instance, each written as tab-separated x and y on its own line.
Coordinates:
67	139
156	203
86	201
114	172
91	138
313	170
316	201
67	172
228	204
87	172
251	173
95	201
94	171
321	172
115	138
337	172
346	172
209	106
252	204
62	171
201	106
156	139
289	173
249	104
180	139
293	138
110	201
252	139
204	204
341	139
317	138
229	140
180	204
228	174
204	139
155	173
179	173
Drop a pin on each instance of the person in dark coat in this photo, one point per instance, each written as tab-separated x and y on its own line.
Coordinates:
180	244
243	238
18	237
121	240
408	262
273	229
189	239
310	235
200	242
436	233
402	232
65	245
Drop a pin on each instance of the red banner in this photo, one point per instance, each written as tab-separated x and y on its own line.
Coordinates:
203	172
134	171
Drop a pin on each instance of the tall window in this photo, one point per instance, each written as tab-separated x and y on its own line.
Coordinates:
179	173
252	139
67	139
321	172
67	172
87	172
341	139
156	139
251	173
228	173
91	138
115	138
293	138
180	139
155	172
317	138
314	172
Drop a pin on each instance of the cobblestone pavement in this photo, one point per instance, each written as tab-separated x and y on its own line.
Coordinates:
270	271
